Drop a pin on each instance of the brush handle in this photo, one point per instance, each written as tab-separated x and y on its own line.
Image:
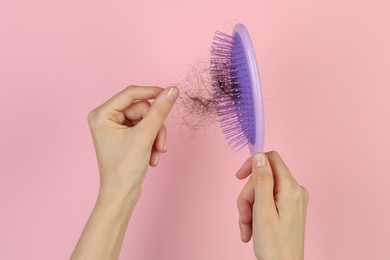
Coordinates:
258	145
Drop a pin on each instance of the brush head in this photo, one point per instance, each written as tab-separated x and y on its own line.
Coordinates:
236	89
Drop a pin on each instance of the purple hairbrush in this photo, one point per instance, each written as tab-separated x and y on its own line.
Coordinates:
237	90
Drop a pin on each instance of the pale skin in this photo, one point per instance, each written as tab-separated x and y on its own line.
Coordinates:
129	135
272	208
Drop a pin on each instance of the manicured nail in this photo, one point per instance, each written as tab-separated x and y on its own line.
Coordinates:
172	94
156	155
260	159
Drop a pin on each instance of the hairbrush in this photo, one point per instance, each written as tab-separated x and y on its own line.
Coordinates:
236	89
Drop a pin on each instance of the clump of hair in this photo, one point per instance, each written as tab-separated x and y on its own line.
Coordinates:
196	108
202	86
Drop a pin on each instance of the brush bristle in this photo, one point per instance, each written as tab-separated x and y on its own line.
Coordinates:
232	90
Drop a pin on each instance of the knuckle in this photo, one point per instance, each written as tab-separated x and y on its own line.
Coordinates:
265	179
95	117
145	103
91	116
305	194
298	193
239	202
295	192
130	88
145	106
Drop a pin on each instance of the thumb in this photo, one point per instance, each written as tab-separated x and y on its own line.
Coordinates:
159	111
263	181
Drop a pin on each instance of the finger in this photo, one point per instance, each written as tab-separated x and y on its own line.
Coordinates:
154	158
245	232
281	173
137	111
263	186
245	170
155	154
244	204
289	193
161	140
126	97
159	111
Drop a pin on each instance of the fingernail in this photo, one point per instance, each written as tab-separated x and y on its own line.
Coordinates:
260	160
165	147
156	155
172	94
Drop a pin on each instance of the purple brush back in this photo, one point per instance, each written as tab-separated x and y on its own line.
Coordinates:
234	90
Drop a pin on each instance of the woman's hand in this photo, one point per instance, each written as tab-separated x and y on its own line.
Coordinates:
272	208
129	133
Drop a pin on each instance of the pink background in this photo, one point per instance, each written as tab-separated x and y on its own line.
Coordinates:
325	68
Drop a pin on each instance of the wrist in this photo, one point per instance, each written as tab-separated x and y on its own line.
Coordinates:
126	198
279	256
